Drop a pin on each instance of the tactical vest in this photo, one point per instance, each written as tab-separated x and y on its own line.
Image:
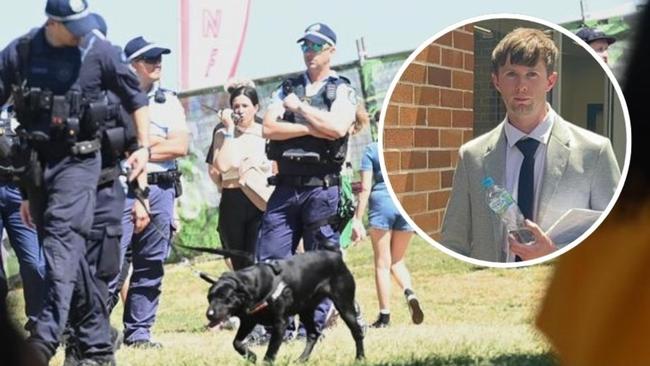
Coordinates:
309	155
48	99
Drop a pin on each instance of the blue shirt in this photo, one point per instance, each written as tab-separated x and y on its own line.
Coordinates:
370	162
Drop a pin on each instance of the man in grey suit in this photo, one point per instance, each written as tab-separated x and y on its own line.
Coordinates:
548	164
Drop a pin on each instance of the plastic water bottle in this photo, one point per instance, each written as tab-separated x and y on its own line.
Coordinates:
501	203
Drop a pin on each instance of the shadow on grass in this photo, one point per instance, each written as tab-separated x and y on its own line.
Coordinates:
545	359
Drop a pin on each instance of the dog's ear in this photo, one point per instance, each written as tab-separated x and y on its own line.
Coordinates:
206	277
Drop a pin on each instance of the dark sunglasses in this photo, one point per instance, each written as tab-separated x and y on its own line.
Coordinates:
313	47
152	60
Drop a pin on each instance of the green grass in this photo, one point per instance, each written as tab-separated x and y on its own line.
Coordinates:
473	316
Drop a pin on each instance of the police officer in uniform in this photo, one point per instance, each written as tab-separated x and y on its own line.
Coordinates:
307	123
23	239
57	101
169	138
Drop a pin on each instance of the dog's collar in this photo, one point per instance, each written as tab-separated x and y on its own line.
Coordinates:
270	298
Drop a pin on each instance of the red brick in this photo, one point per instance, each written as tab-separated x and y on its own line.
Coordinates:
414	203
439	77
468	100
468	62
451	98
401	182
415	73
425	137
439	117
462	80
428	222
468	135
426	96
426	181
463	41
451	138
446	39
436	235
413	159
392	160
430	54
438	200
454	159
451	58
391	116
439	159
398	137
402	94
469	28
462	119
410	116
446	178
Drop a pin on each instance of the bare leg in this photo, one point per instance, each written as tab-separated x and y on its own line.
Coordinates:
399	243
381	240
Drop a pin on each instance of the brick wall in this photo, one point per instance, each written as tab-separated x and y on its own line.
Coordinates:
430	114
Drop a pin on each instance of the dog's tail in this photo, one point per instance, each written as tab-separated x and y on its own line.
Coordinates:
226	253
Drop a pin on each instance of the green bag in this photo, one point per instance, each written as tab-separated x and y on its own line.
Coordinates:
345	210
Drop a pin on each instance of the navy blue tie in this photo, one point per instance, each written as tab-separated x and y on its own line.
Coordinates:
526	190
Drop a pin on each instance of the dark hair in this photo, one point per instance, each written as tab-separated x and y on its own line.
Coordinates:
245	90
525	46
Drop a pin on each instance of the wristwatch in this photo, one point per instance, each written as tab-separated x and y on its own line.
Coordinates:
145	147
145	192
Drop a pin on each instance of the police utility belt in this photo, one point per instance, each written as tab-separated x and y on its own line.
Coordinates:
167	177
326	181
71	120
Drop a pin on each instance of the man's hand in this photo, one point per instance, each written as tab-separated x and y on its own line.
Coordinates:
140	216
542	245
25	215
292	102
138	162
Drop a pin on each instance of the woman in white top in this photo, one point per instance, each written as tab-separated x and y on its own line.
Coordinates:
239	146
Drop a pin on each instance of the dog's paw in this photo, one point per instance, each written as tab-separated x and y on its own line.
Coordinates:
251	357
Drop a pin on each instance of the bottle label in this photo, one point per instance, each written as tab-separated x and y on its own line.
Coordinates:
501	203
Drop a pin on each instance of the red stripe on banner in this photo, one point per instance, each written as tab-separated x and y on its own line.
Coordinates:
185	44
233	68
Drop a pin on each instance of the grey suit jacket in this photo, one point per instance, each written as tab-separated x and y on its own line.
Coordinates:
580	172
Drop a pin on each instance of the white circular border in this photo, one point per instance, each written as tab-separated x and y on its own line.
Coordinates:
624	172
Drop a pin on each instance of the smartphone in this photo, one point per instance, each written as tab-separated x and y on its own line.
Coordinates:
523	236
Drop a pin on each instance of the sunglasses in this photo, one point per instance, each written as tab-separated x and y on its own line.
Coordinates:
313	47
152	60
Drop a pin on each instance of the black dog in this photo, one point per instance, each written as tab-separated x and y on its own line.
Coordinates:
268	293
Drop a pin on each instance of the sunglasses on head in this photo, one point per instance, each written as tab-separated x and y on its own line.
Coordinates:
152	60
313	47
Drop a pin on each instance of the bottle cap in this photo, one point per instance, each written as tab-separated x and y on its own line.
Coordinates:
487	182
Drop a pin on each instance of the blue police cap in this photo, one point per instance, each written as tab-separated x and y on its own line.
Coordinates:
101	24
74	15
590	34
138	47
319	33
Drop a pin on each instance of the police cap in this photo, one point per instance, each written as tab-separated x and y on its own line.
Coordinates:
139	48
74	15
590	34
319	33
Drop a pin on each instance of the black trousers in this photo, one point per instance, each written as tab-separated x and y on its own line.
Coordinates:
239	224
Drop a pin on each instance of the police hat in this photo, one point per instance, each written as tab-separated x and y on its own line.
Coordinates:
319	33
590	34
102	28
138	47
74	15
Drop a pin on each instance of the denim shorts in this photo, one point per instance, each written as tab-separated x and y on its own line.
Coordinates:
382	213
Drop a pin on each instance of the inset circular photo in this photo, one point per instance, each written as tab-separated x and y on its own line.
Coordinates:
505	140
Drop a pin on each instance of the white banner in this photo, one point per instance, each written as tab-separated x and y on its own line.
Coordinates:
212	38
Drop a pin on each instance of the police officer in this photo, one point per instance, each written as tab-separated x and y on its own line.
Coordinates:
117	135
307	123
169	138
55	93
23	239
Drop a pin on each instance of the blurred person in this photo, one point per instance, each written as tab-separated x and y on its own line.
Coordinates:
390	235
548	164
597	40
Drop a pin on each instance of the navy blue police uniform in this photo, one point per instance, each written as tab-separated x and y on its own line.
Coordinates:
53	88
305	201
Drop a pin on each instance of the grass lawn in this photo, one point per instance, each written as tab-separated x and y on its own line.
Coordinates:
473	316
